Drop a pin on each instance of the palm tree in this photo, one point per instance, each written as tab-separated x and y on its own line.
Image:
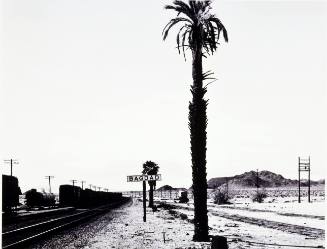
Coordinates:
150	168
200	32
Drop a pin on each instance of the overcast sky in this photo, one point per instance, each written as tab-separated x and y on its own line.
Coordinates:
90	91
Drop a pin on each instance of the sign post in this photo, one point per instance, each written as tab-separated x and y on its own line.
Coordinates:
144	201
144	179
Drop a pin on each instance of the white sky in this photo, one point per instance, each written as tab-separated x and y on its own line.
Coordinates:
90	91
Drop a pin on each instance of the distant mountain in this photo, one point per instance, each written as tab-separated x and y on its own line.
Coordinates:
249	179
168	187
165	188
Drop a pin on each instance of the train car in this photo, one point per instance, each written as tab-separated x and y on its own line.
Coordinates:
76	197
10	193
87	198
69	196
38	199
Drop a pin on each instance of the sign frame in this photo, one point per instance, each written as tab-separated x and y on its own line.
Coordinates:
143	178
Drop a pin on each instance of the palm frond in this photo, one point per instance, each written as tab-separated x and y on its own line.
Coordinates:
171	23
220	27
179	35
183	42
200	28
181	7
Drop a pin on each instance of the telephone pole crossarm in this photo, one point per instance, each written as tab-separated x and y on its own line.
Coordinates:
11	162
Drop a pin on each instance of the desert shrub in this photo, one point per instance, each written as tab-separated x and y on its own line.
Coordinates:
221	197
172	212
183	198
259	196
183	216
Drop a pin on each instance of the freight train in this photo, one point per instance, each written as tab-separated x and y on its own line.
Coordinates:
37	199
10	193
69	196
74	196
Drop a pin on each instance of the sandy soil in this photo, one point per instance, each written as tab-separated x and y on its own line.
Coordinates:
124	228
264	225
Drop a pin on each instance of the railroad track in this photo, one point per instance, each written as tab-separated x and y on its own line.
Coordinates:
282	226
21	237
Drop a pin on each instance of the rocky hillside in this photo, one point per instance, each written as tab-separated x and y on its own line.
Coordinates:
168	187
249	179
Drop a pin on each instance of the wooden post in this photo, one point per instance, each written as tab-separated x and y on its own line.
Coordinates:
164	237
144	201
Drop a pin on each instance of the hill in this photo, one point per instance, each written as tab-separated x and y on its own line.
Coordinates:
249	179
168	187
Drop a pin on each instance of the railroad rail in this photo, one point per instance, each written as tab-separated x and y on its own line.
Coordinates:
282	226
21	237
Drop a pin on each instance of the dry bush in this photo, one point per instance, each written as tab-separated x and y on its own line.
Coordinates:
259	196
183	198
221	197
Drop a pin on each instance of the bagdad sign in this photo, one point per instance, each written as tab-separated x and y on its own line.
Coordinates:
141	178
144	179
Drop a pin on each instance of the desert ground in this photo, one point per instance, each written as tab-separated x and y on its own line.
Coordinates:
279	222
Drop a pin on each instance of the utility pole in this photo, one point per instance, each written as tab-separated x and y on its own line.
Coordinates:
304	165
83	183
257	184
49	178
299	199
12	162
99	188
73	181
309	183
227	186
90	185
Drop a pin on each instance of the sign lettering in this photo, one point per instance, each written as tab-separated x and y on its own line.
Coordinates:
141	178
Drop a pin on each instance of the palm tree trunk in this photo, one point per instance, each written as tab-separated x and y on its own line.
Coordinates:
197	125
